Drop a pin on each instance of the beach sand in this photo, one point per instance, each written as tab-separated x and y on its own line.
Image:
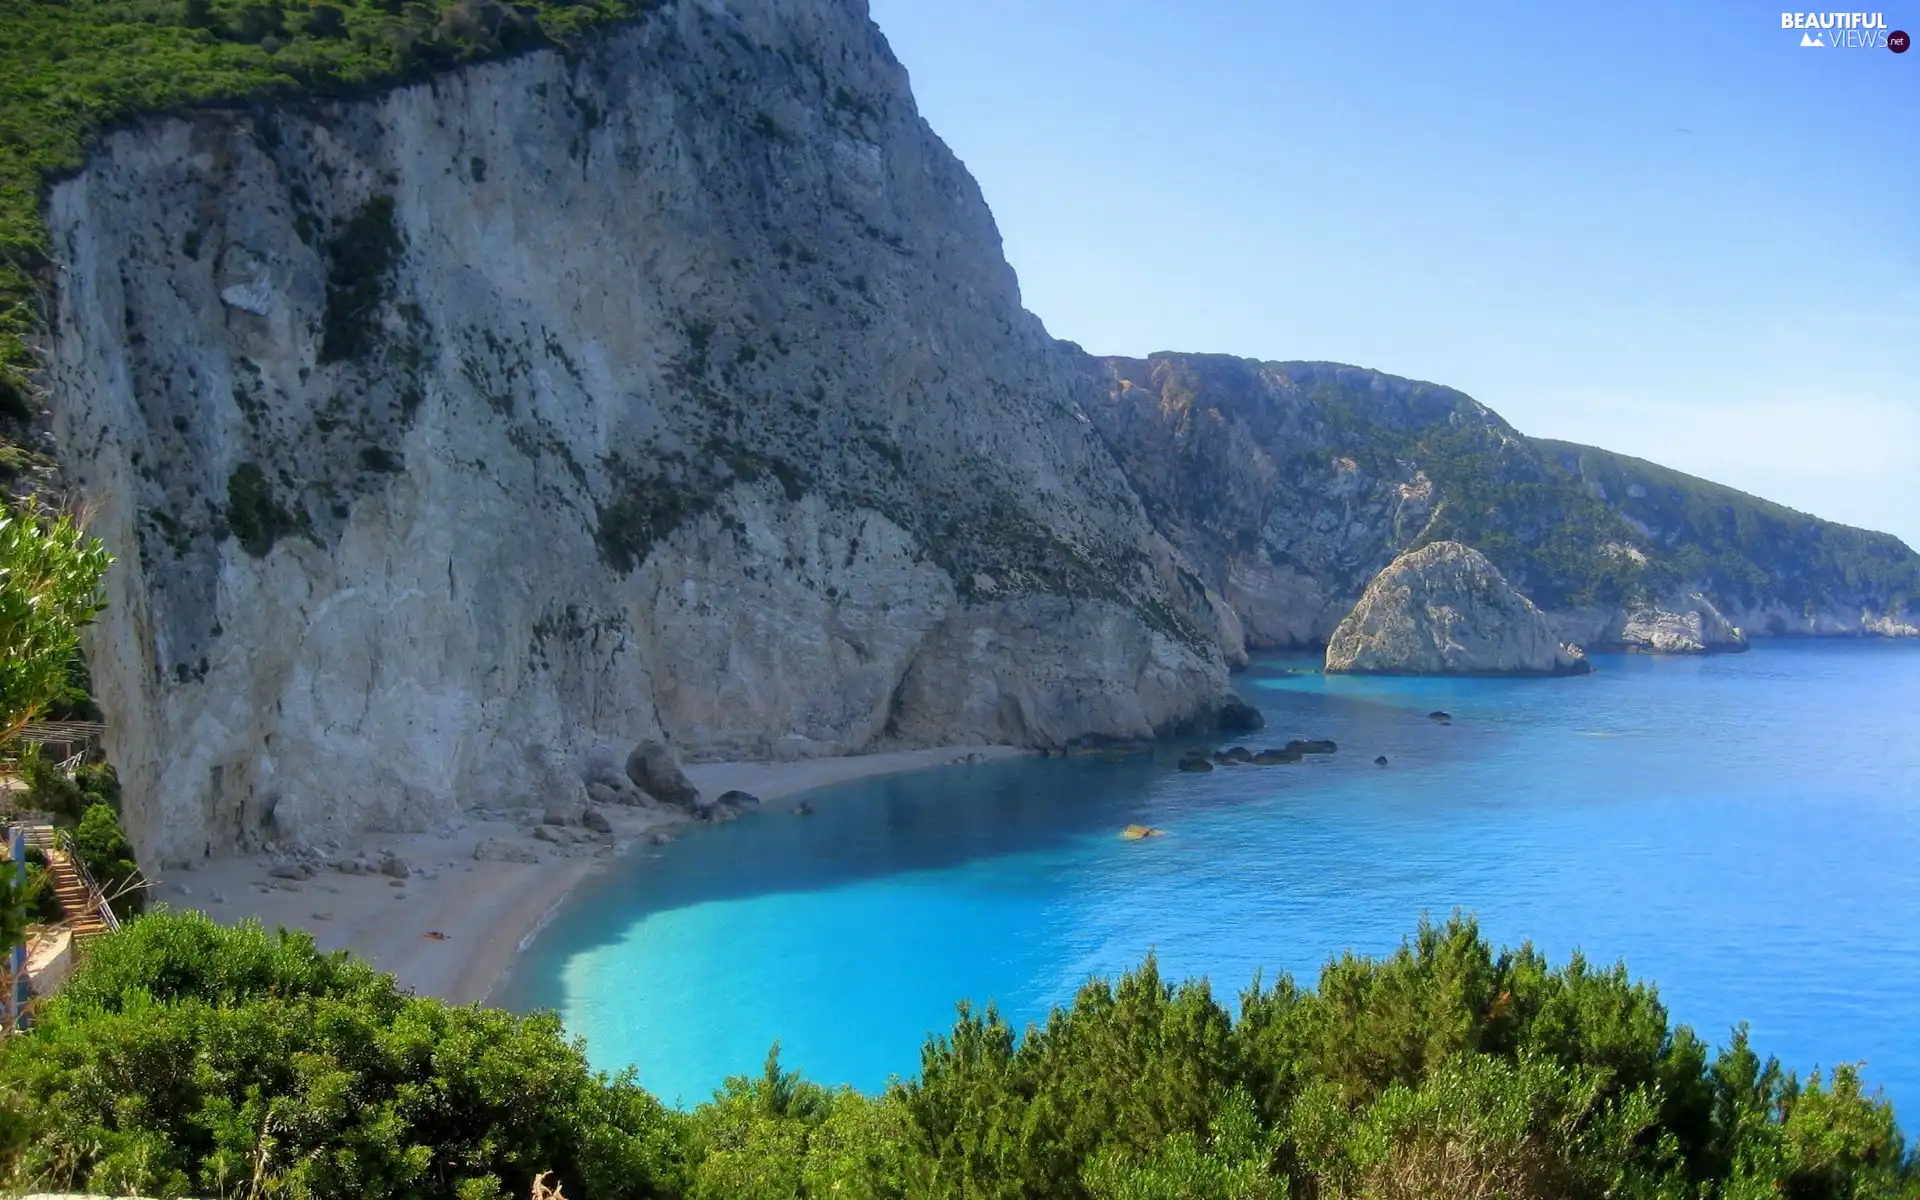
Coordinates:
485	913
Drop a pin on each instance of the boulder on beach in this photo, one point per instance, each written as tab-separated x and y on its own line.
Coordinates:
1444	609
728	805
500	850
655	769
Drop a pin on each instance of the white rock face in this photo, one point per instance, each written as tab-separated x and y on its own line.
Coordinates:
455	438
1445	610
1682	625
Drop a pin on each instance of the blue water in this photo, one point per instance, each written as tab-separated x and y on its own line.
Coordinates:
1744	831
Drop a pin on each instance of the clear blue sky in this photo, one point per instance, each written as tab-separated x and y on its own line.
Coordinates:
1664	229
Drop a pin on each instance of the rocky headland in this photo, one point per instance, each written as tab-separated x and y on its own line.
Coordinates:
1444	609
1289	485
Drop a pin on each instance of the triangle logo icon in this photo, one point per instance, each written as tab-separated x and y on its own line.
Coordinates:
1810	39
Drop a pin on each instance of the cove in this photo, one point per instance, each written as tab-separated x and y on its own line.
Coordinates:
1743	830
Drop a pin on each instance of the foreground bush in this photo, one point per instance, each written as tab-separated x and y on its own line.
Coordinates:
187	1058
190	1059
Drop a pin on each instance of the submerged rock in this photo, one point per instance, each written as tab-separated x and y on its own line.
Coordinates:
1445	610
1195	763
1135	833
1442	717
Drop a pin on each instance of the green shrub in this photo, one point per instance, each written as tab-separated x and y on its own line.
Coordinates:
253	514
50	789
50	573
43	907
361	258
102	845
190	1058
186	1058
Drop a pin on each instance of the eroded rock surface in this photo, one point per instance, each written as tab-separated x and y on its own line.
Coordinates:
1681	625
676	389
1445	610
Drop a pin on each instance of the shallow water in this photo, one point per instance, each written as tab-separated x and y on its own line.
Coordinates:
1743	830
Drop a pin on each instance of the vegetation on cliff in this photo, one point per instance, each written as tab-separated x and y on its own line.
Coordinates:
71	68
1569	525
50	573
190	1058
1741	546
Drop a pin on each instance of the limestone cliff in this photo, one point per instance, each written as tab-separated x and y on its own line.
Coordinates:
1680	625
457	436
1289	485
1445	610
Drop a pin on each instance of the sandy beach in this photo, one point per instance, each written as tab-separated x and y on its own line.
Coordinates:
452	926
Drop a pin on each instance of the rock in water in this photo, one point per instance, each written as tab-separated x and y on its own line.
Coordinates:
1681	625
1237	715
1381	761
1445	610
655	770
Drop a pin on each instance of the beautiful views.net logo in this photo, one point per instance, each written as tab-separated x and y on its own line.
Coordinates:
1851	31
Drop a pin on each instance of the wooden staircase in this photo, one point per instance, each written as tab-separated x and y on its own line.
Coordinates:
82	906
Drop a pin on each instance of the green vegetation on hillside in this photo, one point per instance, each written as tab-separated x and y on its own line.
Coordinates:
1741	545
1538	524
1556	518
187	1058
71	68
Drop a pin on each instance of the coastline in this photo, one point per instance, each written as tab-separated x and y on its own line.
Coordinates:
486	911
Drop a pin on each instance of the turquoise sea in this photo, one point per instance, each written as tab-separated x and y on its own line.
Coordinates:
1743	830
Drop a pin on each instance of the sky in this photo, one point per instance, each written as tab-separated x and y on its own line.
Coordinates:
1668	230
